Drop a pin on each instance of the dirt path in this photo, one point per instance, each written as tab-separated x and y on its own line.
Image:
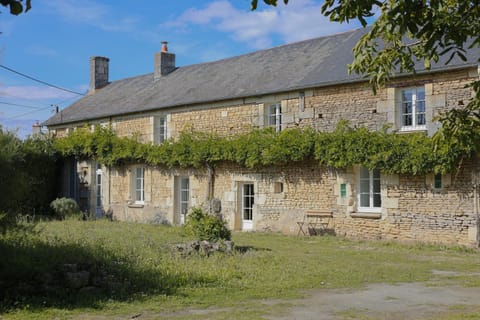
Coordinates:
383	301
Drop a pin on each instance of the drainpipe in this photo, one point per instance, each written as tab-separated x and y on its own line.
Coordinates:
475	197
210	185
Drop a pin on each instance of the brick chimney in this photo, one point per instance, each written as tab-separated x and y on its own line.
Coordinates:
98	72
164	62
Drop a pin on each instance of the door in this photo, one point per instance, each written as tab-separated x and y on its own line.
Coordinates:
248	196
98	192
183	198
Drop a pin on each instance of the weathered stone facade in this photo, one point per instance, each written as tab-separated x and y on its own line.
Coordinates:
412	208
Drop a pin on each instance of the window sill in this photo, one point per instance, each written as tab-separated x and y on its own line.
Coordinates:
366	215
136	205
412	129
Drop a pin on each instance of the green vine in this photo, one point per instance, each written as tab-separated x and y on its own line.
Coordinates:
413	153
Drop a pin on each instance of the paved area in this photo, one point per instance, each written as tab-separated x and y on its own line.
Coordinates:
384	301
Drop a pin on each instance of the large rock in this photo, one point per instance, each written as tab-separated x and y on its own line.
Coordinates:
205	247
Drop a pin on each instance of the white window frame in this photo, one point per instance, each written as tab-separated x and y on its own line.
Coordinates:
371	192
160	129
139	190
183	203
274	116
414	114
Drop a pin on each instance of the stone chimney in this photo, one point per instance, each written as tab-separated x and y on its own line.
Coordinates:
36	128
164	62
98	72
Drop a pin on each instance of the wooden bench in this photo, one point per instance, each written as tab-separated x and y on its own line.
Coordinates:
314	220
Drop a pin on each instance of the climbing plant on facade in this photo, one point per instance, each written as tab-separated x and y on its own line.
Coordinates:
344	147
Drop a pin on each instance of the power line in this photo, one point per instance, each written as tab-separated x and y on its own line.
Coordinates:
40	81
19	105
27	113
37	109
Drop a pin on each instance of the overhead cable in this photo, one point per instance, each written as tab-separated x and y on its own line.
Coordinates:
20	105
40	81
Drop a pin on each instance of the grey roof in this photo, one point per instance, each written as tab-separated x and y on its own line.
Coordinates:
306	64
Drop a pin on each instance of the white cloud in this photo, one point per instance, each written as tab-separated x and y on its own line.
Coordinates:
299	20
91	13
34	93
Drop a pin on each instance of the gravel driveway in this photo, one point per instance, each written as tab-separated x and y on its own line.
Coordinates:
385	301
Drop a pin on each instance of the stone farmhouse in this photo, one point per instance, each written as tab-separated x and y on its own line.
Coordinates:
304	84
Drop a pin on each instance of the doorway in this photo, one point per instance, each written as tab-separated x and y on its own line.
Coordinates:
247	202
182	198
98	192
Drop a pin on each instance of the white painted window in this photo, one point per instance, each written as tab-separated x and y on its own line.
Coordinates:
139	185
160	130
412	109
369	195
275	116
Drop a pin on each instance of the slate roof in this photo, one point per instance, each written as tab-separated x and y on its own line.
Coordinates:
301	65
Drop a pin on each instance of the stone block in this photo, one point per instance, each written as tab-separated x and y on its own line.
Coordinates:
472	233
390	203
307	114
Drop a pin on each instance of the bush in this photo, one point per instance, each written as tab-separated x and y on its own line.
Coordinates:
65	208
206	227
28	174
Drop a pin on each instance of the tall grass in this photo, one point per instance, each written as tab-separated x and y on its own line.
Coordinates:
140	269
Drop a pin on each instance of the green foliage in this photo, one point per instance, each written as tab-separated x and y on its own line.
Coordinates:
4	222
141	272
16	6
344	147
254	3
27	174
206	227
461	126
65	208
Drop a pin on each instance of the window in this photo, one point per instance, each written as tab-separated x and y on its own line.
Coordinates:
343	191
437	181
139	182
412	110
275	116
278	187
369	197
160	129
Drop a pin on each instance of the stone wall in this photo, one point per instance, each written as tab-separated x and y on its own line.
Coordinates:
412	209
139	126
224	121
61	132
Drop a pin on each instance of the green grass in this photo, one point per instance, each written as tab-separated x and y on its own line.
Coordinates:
147	277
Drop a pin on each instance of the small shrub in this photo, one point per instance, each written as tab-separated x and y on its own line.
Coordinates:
65	208
206	227
5	222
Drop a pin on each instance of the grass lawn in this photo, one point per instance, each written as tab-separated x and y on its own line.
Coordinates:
147	277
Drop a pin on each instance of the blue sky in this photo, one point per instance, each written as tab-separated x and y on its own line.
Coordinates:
55	39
